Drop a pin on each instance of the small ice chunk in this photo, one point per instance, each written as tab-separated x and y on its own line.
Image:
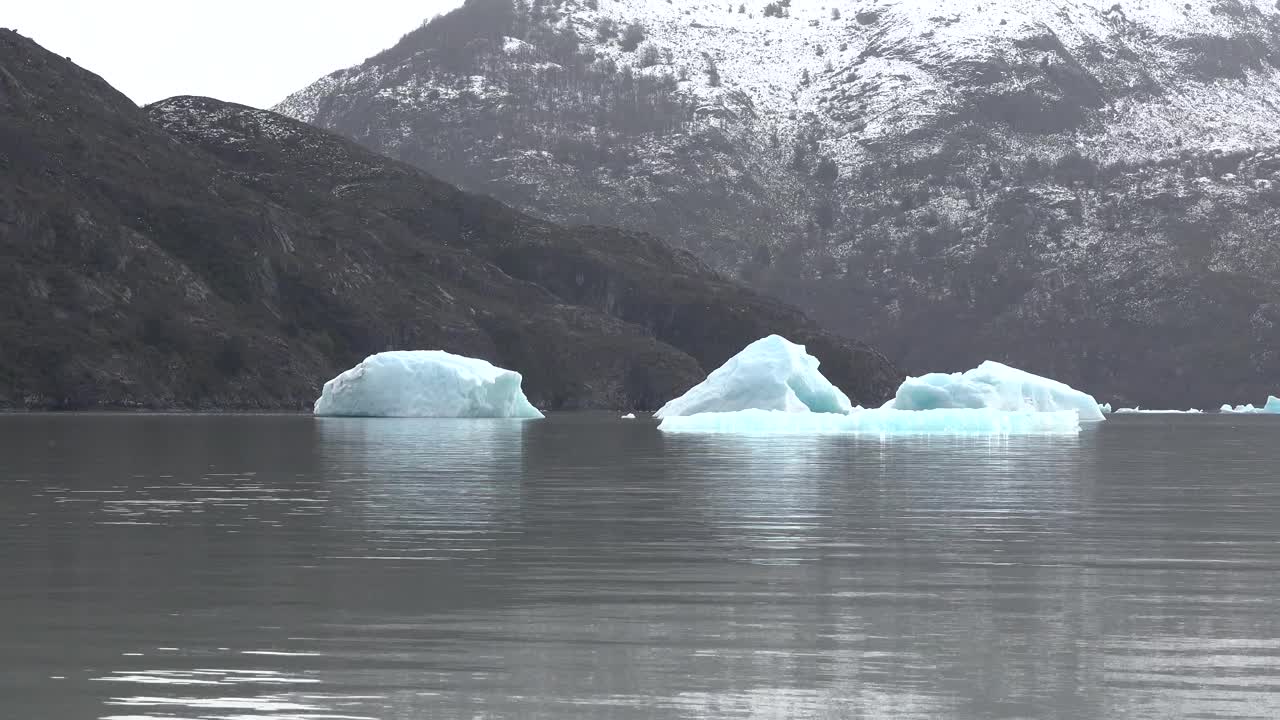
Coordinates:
994	386
629	416
425	383
880	422
770	374
1105	408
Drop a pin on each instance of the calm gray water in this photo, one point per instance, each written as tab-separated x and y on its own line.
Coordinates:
586	567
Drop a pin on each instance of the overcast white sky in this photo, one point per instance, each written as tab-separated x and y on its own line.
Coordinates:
253	52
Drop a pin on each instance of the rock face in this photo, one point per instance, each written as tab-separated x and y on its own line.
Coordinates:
1083	189
198	254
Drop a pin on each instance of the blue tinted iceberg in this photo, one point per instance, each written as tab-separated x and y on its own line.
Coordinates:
880	422
994	386
770	374
425	383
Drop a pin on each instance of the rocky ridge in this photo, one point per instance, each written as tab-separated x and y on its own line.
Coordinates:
1079	187
203	255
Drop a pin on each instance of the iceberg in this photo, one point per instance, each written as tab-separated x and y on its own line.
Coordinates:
628	416
1271	408
994	386
425	383
1105	408
773	387
1239	410
881	422
771	374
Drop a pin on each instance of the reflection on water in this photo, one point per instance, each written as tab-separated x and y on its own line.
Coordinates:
584	567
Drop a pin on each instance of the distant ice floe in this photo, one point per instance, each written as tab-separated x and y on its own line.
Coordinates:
425	383
774	387
1271	408
1140	411
629	416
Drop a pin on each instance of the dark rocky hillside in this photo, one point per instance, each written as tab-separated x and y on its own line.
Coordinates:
1086	189
198	254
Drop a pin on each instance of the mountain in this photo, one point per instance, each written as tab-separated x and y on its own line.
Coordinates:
1083	188
200	254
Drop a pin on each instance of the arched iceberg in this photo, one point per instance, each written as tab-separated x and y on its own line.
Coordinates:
994	386
770	374
425	383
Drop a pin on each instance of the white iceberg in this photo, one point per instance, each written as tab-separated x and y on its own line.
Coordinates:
1105	408
425	383
1271	408
1239	410
994	386
1140	411
986	422
629	416
770	374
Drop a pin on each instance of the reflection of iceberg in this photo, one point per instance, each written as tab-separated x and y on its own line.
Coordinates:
770	374
424	383
994	386
1271	408
886	421
416	491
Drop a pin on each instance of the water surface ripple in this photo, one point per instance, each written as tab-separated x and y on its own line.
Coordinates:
586	567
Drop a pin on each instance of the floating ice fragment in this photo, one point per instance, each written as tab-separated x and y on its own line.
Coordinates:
1271	408
1105	408
770	374
425	383
879	422
629	416
994	386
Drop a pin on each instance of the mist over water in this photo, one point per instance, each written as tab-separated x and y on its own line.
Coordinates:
585	567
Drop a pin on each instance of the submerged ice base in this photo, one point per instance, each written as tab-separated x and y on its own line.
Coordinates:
425	383
884	421
1140	411
994	386
769	374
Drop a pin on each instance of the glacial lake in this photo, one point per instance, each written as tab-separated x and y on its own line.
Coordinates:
280	567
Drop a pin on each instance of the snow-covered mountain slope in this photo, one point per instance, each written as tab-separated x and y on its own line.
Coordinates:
1082	187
